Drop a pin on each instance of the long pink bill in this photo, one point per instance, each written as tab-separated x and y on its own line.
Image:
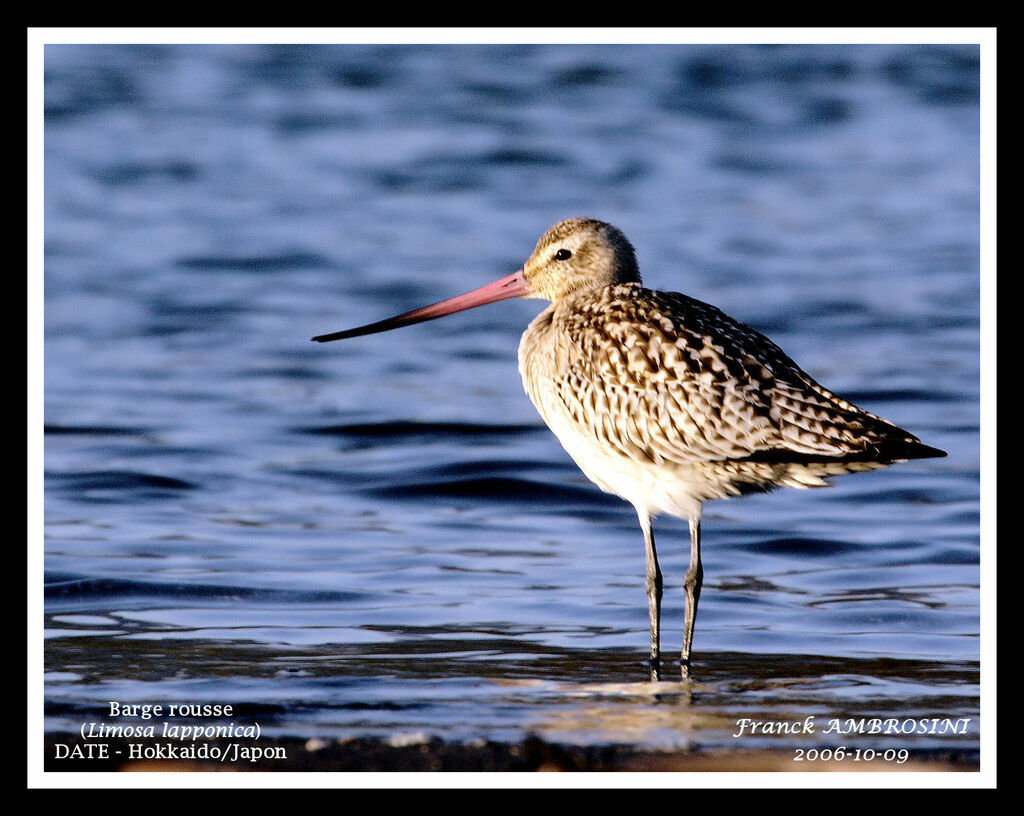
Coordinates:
509	287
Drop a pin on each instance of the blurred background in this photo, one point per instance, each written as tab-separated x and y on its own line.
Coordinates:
379	538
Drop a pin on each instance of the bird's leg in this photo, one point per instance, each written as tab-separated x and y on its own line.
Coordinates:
653	592
691	586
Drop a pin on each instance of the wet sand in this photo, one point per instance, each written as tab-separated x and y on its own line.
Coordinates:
295	754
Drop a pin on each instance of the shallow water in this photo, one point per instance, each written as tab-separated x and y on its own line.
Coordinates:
379	537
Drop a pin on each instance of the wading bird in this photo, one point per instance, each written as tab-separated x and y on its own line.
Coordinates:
664	400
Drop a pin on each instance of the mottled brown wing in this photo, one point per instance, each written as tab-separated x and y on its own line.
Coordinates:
670	379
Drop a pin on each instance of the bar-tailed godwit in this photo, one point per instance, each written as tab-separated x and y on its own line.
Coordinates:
664	400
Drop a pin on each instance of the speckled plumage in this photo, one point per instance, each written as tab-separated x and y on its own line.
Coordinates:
664	380
664	400
668	402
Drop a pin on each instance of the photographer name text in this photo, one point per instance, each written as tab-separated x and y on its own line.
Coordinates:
885	726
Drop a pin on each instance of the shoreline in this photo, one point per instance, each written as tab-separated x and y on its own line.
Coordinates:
69	752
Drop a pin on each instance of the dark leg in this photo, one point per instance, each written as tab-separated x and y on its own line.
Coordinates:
653	592
691	585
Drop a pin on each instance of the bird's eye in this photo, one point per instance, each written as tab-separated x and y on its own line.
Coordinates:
563	255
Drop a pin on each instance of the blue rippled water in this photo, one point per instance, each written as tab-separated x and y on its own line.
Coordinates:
380	537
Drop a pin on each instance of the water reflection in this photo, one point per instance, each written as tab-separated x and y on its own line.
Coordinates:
414	681
724	479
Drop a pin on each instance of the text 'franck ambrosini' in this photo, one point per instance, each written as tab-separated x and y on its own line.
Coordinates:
855	725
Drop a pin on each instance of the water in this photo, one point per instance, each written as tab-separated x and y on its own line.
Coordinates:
378	538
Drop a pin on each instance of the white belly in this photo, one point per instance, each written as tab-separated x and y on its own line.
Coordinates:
651	488
678	486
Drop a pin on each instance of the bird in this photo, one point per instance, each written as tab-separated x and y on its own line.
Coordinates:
664	400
